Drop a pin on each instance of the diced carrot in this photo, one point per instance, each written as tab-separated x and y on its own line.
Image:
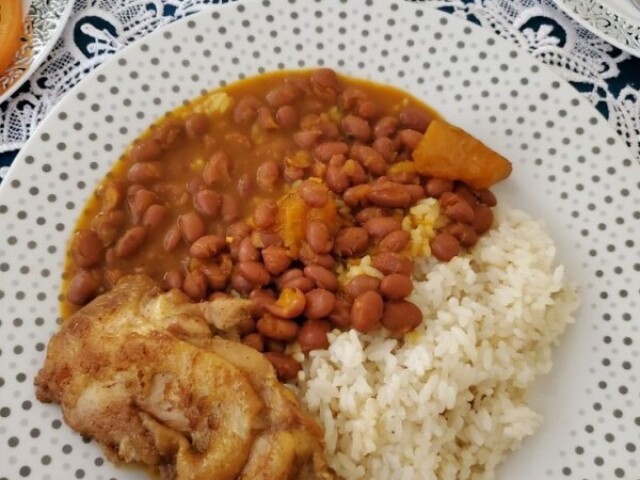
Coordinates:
448	152
293	215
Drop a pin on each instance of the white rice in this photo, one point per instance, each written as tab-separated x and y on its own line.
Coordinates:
448	402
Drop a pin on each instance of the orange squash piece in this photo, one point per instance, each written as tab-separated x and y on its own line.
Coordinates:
448	152
10	31
293	215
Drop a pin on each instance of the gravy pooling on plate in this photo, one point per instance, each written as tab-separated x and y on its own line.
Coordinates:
274	188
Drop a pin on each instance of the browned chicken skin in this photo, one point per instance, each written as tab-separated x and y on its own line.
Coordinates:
141	372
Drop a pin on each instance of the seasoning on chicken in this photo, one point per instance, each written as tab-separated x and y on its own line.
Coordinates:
149	377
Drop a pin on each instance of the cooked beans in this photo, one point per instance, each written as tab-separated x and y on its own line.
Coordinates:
483	219
83	288
245	186
196	125
246	110
173	279
86	248
313	335
304	284
415	118
264	239
409	138
355	172
208	203
336	179
154	216
286	367
356	127
218	277
435	187
290	303
288	275
309	257
357	195
246	325
168	133
246	251
396	286
139	201
366	311
145	151
260	298
360	284
460	211
308	138
380	227
368	109
207	246
385	147
315	194
282	94
240	283
370	159
486	197
463	192
276	259
286	116
444	246
325	151
191	226
274	200
172	239
217	170
385	127
319	303
319	236
277	328
351	241
391	262
254	272
144	172
265	213
195	285
400	316
322	277
107	225
465	234
366	214
255	341
351	97
390	195
268	175
266	119
130	242
395	241
231	208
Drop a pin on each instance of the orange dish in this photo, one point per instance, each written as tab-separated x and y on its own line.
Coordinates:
11	30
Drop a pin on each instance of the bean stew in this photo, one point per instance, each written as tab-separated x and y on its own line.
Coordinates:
272	188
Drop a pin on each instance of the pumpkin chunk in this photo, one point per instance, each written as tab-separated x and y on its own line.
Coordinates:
448	152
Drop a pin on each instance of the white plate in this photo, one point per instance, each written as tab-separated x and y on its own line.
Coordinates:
43	24
617	21
570	169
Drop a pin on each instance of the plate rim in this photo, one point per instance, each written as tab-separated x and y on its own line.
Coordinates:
612	36
39	59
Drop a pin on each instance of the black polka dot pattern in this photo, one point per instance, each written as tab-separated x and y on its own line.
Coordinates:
570	170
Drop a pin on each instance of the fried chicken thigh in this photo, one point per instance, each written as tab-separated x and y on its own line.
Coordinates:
158	380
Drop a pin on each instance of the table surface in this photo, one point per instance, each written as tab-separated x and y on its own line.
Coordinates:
629	76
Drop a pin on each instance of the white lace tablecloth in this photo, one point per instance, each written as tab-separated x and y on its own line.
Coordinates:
99	28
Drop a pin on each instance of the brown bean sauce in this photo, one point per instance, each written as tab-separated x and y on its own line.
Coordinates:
202	201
